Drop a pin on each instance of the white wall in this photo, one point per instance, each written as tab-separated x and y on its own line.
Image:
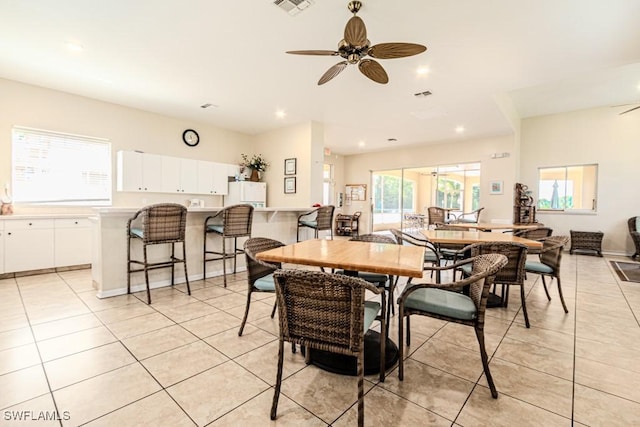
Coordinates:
126	128
599	136
358	170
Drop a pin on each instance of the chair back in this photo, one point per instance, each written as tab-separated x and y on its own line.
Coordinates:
513	272
236	220
163	223
484	270
257	269
436	215
632	223
375	238
551	253
469	217
321	310
324	217
409	239
534	233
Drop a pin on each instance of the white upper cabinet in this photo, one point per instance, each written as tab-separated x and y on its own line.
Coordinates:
212	178
139	171
179	175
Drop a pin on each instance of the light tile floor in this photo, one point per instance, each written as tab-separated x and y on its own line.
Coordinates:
179	362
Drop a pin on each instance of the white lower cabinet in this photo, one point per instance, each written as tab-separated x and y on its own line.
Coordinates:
28	245
1	247
72	242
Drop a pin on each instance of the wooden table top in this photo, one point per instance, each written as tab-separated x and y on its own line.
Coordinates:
397	260
469	237
487	226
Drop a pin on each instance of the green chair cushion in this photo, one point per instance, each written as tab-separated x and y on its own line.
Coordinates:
430	257
216	228
371	309
312	224
537	267
265	283
467	269
444	303
638	223
137	232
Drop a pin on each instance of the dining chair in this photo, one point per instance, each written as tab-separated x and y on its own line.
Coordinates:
383	281
259	273
534	234
328	312
513	273
318	219
162	223
549	264
469	217
436	215
431	255
633	224
442	301
231	222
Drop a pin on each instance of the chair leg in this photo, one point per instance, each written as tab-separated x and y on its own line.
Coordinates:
383	337
400	343
485	362
273	312
246	313
544	285
224	261
173	263
360	370
276	393
524	307
235	254
146	273
184	261
128	264
560	293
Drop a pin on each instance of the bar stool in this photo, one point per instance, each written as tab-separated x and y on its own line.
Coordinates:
231	222
163	223
317	219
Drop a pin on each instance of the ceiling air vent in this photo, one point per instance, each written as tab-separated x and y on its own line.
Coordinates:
425	93
292	7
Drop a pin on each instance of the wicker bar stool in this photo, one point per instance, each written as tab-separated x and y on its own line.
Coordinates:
163	223
318	219
230	223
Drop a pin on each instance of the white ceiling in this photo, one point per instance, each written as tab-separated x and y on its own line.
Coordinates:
172	56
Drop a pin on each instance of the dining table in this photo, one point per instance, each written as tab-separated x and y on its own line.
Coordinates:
352	257
489	226
465	237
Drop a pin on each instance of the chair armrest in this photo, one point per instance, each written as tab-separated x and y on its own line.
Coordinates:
307	213
206	221
133	218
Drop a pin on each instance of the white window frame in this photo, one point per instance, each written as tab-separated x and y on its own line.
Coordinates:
561	209
55	168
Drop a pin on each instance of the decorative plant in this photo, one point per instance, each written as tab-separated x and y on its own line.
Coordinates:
256	162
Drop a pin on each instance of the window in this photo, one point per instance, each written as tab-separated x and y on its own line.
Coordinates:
327	184
568	188
57	168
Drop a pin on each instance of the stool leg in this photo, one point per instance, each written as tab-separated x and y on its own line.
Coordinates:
129	264
224	261
204	255
184	260
173	263
235	245
146	274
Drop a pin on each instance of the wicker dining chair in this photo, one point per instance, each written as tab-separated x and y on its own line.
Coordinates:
438	301
318	219
162	223
513	273
231	222
549	264
431	254
326	312
469	217
383	281
534	234
259	273
436	215
634	231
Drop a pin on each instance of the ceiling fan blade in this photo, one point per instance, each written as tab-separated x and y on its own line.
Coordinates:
628	111
395	50
332	72
373	70
314	52
355	32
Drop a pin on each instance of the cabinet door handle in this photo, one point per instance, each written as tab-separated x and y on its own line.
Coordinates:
30	224
9	234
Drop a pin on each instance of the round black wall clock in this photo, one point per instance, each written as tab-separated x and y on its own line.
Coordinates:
190	137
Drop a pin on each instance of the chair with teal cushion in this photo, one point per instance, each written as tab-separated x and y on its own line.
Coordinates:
162	223
328	312
442	301
259	273
549	264
469	217
231	222
318	219
431	255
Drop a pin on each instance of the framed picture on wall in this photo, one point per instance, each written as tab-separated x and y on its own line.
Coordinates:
495	187
290	166
290	185
356	192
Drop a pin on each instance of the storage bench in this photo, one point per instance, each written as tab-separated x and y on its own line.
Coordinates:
590	241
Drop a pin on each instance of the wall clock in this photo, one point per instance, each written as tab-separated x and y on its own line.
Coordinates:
190	137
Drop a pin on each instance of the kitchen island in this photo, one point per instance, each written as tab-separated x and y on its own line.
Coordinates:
109	246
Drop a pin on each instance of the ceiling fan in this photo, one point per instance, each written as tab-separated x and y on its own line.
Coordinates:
355	46
630	110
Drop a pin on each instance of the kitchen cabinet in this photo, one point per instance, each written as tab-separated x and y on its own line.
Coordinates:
1	247
179	175
28	244
212	178
138	171
72	240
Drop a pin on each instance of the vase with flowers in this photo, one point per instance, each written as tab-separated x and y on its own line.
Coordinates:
256	163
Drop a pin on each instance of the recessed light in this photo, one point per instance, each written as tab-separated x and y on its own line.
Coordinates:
280	114
361	144
422	71
74	47
459	129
